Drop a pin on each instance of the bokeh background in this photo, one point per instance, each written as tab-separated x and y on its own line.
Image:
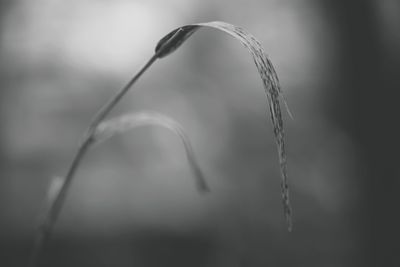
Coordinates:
133	202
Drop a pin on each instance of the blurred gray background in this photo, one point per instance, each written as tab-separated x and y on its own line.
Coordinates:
133	202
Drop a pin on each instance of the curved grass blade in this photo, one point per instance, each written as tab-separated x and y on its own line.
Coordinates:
173	41
165	46
104	130
110	128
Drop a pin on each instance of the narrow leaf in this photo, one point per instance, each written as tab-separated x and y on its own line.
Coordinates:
122	124
269	78
52	193
54	188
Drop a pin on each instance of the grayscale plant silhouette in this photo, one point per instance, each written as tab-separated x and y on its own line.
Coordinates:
99	130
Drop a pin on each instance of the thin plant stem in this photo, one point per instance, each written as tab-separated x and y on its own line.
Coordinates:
46	227
167	45
105	110
45	230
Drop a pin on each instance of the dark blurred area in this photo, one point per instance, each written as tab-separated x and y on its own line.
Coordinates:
133	202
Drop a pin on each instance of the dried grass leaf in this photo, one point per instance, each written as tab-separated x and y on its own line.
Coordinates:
122	124
174	39
53	190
